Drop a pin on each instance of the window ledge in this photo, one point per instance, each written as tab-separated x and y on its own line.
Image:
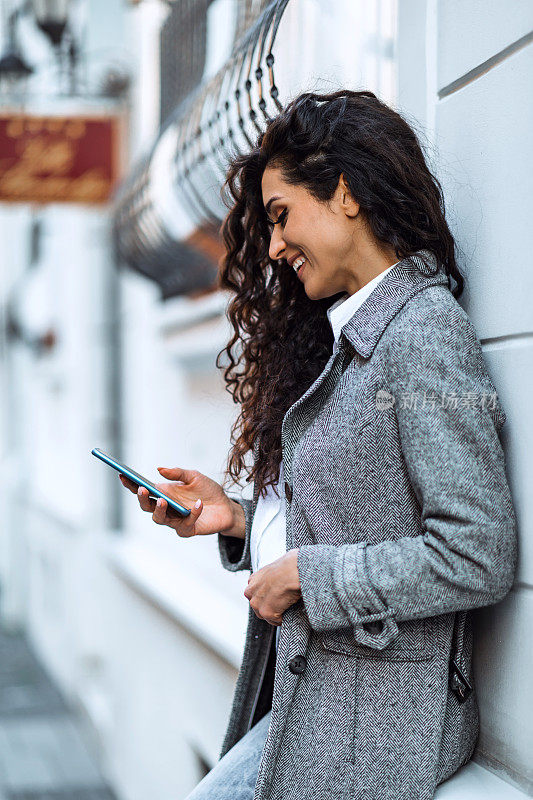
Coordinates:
474	782
184	596
182	313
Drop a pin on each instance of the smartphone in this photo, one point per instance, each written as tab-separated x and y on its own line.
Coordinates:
140	481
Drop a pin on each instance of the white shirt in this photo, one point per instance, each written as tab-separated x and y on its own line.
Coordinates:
268	534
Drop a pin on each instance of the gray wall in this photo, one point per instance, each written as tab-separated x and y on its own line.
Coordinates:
465	75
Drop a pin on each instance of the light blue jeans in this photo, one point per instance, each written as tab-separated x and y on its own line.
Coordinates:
234	776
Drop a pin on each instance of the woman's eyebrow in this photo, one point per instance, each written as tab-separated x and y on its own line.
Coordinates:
272	200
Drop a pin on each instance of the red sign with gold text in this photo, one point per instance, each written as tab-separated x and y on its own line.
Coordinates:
58	159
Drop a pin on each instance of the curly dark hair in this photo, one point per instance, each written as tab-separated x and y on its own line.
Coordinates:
281	339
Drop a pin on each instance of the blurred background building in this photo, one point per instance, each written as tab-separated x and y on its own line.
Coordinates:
117	121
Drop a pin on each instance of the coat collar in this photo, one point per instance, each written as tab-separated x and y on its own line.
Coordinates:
413	273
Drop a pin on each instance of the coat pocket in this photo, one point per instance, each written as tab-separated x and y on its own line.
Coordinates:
399	710
411	644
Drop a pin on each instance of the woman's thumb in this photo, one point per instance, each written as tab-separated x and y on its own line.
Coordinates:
175	473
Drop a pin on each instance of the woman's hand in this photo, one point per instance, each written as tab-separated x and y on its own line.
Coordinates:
274	587
216	513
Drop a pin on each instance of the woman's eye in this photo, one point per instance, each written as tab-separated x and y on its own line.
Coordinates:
281	220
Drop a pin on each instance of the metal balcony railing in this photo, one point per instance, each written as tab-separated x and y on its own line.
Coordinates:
174	192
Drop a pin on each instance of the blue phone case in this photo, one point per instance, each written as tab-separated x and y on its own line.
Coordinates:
139	480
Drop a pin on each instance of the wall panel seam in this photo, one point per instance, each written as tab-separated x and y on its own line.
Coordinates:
498	342
485	66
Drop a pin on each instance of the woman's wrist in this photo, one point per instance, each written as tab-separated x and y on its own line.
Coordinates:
238	527
294	583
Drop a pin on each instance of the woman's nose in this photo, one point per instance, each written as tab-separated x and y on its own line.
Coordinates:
277	246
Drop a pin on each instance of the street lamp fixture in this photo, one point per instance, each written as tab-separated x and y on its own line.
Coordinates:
13	68
51	17
14	71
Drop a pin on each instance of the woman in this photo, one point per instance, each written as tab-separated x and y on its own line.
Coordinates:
381	512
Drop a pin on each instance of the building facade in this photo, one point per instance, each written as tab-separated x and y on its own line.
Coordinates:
142	630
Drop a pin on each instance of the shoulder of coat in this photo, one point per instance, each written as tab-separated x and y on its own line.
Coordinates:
431	315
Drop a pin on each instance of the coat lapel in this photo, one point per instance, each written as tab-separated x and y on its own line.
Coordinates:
362	332
405	279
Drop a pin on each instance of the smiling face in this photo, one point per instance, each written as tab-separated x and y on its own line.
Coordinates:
306	228
340	253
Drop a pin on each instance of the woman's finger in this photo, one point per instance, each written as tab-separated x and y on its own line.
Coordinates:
128	484
185	528
145	503
178	474
160	512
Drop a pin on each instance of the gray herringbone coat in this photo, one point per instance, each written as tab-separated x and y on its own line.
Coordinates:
398	500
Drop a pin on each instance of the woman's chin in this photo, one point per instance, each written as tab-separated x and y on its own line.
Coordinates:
313	289
308	289
315	293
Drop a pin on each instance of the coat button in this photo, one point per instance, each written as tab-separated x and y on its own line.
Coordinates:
288	492
373	627
297	664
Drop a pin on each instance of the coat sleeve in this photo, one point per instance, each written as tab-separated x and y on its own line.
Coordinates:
235	553
466	556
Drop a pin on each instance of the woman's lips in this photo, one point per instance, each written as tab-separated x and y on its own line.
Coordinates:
301	260
301	269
